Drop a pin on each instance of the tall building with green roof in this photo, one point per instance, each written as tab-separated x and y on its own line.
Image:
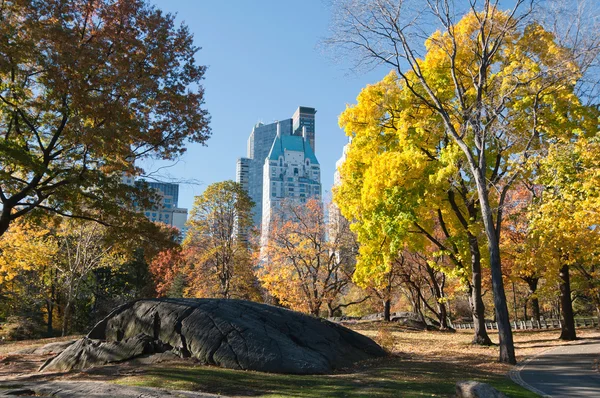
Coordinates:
249	169
291	173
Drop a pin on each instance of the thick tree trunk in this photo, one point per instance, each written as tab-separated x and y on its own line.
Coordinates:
480	336
477	307
387	307
535	303
443	317
442	312
507	347
566	306
4	219
535	307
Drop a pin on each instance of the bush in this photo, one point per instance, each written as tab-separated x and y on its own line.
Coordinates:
21	328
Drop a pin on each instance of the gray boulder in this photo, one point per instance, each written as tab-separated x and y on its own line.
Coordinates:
414	321
50	348
475	389
86	353
233	334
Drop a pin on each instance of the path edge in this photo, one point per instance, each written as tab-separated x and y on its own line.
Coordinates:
515	373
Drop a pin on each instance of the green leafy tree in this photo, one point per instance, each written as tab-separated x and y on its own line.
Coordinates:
86	89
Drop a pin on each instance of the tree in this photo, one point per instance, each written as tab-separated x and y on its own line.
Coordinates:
83	248
490	88
28	254
24	248
302	265
524	255
406	194
218	260
425	279
166	269
86	89
567	216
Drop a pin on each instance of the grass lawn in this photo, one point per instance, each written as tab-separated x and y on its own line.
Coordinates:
423	364
392	377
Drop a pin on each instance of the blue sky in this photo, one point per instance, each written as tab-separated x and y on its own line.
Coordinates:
263	62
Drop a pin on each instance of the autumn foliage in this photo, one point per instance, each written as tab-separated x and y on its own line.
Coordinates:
300	264
87	88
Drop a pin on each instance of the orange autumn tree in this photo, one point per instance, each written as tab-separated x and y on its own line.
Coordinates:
166	268
301	262
523	253
88	89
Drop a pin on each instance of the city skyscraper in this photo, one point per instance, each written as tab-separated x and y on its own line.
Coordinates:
166	210
249	169
304	118
291	173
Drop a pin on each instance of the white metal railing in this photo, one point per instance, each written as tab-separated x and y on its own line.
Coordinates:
533	324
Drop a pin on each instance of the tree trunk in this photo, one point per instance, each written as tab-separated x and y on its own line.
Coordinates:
65	321
443	317
4	219
329	310
535	307
442	312
387	306
566	306
477	307
50	305
535	303
50	310
507	347
516	314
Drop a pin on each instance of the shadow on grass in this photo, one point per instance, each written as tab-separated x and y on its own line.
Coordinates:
390	377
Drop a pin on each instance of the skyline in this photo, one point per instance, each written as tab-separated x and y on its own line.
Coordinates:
278	68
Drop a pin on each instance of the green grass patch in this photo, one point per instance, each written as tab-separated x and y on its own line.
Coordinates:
392	377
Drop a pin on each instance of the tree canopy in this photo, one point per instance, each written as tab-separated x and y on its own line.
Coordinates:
491	92
86	89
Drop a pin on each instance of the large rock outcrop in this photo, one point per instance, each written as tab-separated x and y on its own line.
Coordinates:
233	334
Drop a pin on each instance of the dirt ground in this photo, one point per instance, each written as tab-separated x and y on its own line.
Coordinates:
447	348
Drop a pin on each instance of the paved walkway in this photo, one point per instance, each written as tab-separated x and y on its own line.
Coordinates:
566	371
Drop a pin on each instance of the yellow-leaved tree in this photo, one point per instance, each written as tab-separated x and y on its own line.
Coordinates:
489	93
26	246
566	218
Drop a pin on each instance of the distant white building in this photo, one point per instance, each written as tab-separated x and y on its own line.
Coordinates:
291	173
335	216
166	210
